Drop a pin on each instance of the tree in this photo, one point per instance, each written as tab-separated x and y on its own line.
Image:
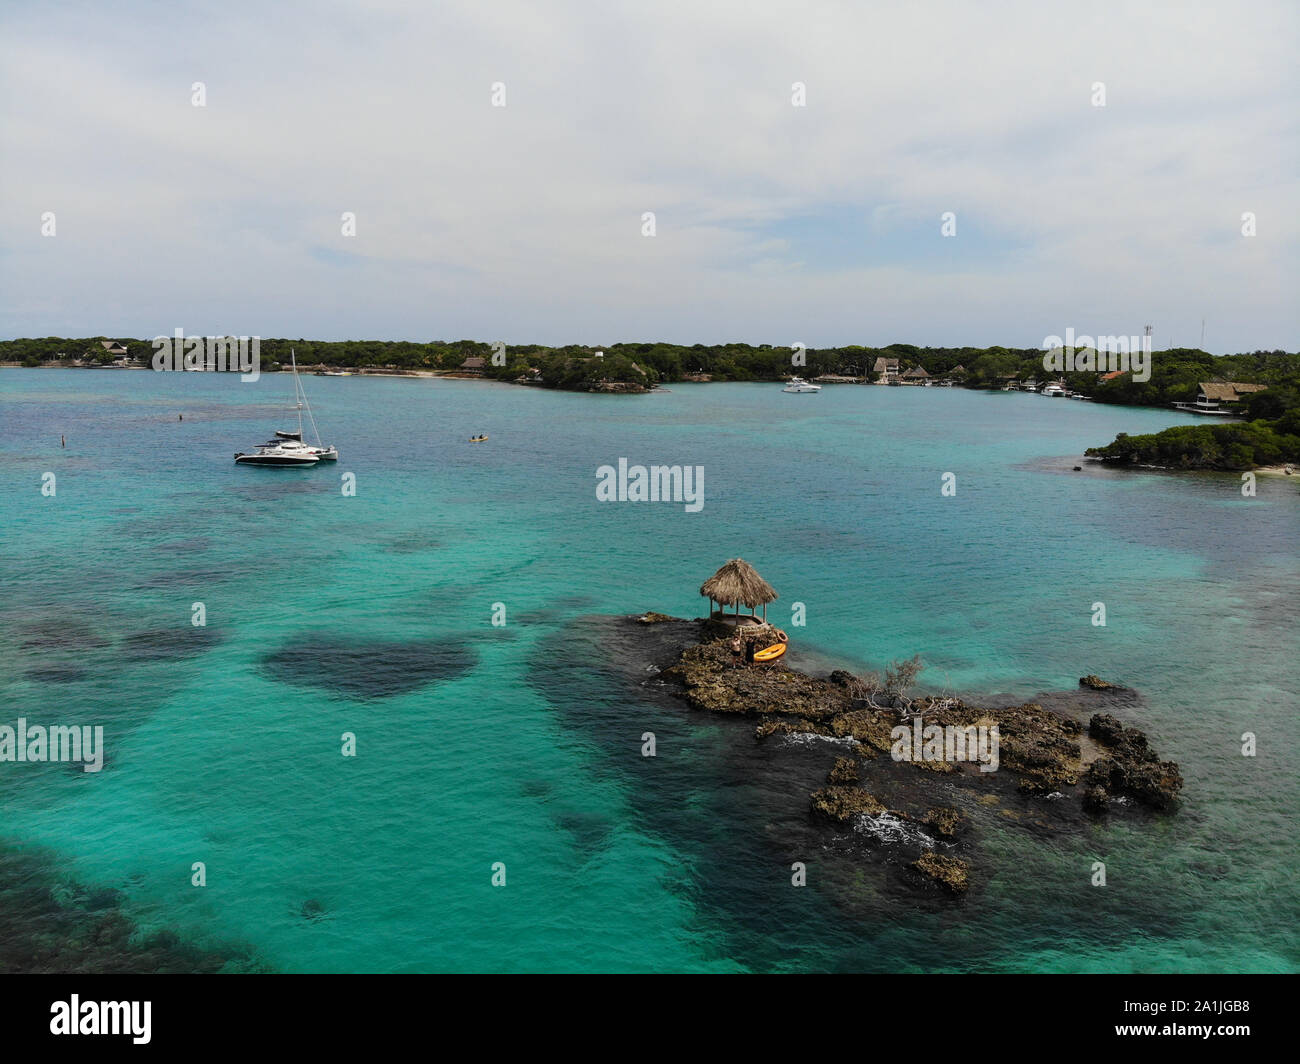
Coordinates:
900	676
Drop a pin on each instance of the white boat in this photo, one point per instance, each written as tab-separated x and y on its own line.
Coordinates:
1204	406
798	385
1055	391
288	448
279	452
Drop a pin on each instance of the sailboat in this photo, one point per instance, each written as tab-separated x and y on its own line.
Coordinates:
288	448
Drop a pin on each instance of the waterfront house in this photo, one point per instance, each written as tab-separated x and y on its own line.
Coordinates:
473	365
1219	397
886	370
118	351
916	375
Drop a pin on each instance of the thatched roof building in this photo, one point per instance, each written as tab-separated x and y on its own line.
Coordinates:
1228	391
737	583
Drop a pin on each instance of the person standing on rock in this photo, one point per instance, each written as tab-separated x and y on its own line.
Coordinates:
749	651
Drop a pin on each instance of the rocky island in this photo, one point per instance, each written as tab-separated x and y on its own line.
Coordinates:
875	770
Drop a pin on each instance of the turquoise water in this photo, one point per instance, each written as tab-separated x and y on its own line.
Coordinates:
520	744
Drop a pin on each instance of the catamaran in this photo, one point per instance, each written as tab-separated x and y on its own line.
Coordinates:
288	448
279	452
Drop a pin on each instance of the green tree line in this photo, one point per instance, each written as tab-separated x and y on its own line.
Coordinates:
1175	373
1268	435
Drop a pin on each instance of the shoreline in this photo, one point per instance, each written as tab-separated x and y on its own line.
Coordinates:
625	388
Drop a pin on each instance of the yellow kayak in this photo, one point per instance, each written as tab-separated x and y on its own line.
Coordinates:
770	653
477	439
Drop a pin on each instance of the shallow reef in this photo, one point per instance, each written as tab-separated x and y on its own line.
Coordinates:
1039	755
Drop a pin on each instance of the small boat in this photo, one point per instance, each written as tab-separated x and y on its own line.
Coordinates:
770	653
1204	406
1054	391
478	439
798	385
332	373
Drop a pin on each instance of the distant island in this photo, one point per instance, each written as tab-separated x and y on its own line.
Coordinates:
1263	429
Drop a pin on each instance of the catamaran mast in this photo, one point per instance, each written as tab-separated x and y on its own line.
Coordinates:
297	398
300	397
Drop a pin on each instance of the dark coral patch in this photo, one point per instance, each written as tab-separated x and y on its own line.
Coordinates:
55	672
174	643
368	669
62	633
590	831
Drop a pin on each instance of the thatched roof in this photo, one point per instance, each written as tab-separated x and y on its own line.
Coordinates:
916	373
738	582
1229	391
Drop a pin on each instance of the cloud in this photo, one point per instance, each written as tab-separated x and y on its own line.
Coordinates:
524	222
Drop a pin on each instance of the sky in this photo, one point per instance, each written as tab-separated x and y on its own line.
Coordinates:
818	224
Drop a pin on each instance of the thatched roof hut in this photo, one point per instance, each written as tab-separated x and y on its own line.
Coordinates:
737	583
1228	391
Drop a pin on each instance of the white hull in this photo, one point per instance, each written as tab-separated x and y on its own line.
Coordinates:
798	386
275	456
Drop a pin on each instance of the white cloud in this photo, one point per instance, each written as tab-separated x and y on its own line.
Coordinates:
523	223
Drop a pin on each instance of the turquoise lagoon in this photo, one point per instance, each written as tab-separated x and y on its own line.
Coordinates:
372	614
